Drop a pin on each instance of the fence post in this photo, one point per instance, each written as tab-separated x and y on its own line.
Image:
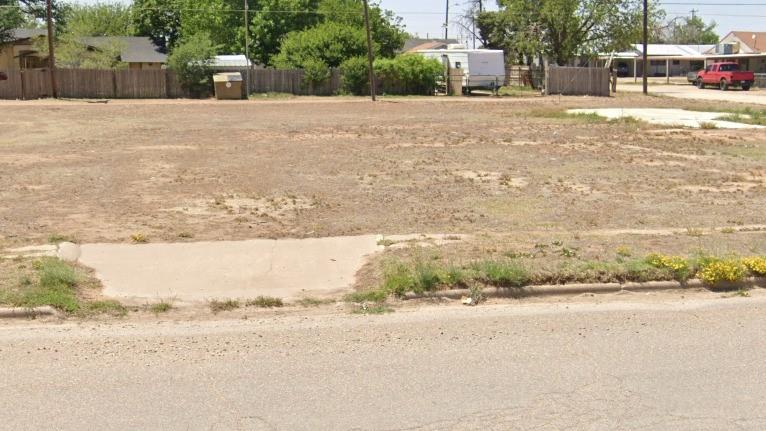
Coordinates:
21	81
114	84
167	84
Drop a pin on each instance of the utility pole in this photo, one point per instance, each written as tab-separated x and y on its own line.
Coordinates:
370	59
446	22
51	54
247	49
645	65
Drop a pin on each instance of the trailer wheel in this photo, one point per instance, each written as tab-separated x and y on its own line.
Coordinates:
724	85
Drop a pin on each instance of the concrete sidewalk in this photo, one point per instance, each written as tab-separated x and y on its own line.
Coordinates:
668	117
754	96
285	268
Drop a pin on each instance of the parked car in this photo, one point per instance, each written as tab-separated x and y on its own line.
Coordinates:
3	76
725	75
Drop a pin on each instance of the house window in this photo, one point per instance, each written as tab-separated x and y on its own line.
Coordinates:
676	62
458	65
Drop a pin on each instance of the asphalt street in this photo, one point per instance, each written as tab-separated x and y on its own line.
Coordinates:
681	364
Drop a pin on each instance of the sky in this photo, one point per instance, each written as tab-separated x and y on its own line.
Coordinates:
426	17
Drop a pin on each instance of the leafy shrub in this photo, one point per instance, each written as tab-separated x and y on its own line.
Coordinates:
315	72
404	74
680	266
714	271
330	42
265	302
756	265
356	77
192	60
408	74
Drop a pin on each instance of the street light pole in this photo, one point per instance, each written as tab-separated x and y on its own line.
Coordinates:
51	53
645	61
370	59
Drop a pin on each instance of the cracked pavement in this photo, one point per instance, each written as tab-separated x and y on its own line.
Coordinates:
681	364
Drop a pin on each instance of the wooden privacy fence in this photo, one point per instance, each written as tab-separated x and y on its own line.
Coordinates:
148	84
91	84
290	81
578	81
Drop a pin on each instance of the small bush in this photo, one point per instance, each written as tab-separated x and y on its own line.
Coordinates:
223	305
408	74
160	307
315	72
756	265
714	271
355	72
192	60
404	74
139	238
265	302
681	269
397	279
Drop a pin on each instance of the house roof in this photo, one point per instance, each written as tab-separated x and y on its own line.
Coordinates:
669	50
418	44
759	44
663	51
230	61
132	49
28	33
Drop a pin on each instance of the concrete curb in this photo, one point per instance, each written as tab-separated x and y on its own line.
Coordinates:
26	313
576	289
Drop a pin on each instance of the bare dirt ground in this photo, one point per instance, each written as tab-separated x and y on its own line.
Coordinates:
180	170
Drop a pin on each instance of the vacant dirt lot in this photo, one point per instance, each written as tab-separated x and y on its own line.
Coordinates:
193	170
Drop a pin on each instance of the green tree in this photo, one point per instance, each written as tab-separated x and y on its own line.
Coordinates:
191	60
330	42
100	19
160	20
26	14
10	18
271	25
692	31
562	29
73	53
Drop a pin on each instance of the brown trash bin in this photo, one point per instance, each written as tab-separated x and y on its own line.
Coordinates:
228	86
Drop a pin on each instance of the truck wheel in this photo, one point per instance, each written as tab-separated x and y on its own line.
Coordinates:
700	83
745	87
724	85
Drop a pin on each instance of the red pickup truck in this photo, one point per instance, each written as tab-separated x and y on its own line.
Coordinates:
725	75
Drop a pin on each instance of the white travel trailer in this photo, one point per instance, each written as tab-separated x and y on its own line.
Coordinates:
482	68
